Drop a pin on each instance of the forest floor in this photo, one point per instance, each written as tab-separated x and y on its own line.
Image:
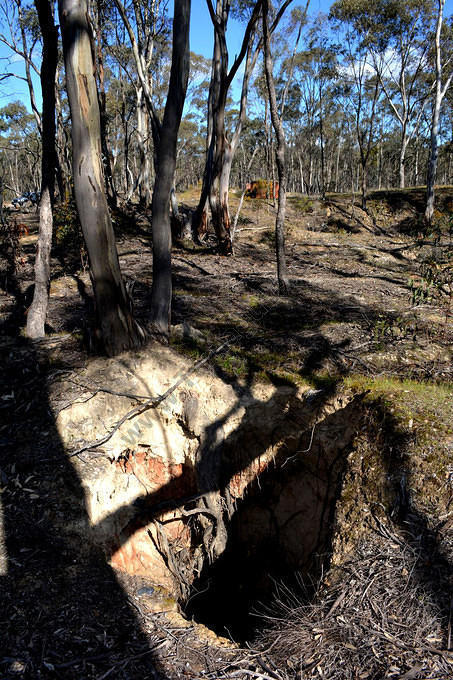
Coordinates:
370	307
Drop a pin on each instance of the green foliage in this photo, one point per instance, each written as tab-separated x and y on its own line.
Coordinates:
68	233
434	283
387	329
417	405
16	122
302	203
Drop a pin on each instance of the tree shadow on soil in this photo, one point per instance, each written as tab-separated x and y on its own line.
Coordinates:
263	505
82	625
255	554
64	613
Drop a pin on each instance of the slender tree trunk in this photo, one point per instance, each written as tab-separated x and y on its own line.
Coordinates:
321	142
63	149
379	165
2	217
402	158
337	165
273	155
179	75
37	312
416	162
363	184
118	329
432	163
440	94
221	151
301	175
143	180
199	218
217	144
283	284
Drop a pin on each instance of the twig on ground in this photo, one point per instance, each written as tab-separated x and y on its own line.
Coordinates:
150	403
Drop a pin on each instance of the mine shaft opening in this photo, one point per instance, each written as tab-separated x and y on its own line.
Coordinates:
280	533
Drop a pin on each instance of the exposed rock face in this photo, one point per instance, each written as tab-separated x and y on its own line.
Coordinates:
211	471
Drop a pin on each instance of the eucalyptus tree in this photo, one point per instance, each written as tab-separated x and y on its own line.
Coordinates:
441	86
361	86
63	136
166	155
219	150
398	36
100	27
118	329
403	36
37	312
22	38
277	118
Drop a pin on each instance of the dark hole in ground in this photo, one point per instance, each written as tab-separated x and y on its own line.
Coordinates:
281	530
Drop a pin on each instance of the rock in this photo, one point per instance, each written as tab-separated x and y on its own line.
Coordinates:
186	332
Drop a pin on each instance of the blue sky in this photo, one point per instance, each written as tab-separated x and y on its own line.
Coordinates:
201	30
201	41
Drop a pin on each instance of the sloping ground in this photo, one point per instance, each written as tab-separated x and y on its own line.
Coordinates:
353	325
384	608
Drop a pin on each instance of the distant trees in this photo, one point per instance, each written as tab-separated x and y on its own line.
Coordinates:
359	101
21	35
340	103
19	149
145	25
277	123
361	84
401	39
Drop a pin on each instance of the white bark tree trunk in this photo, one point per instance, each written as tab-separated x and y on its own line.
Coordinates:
440	94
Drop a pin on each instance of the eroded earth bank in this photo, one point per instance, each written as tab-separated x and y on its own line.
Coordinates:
271	496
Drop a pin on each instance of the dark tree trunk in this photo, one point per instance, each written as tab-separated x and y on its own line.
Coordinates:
162	285
37	313
118	329
283	284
